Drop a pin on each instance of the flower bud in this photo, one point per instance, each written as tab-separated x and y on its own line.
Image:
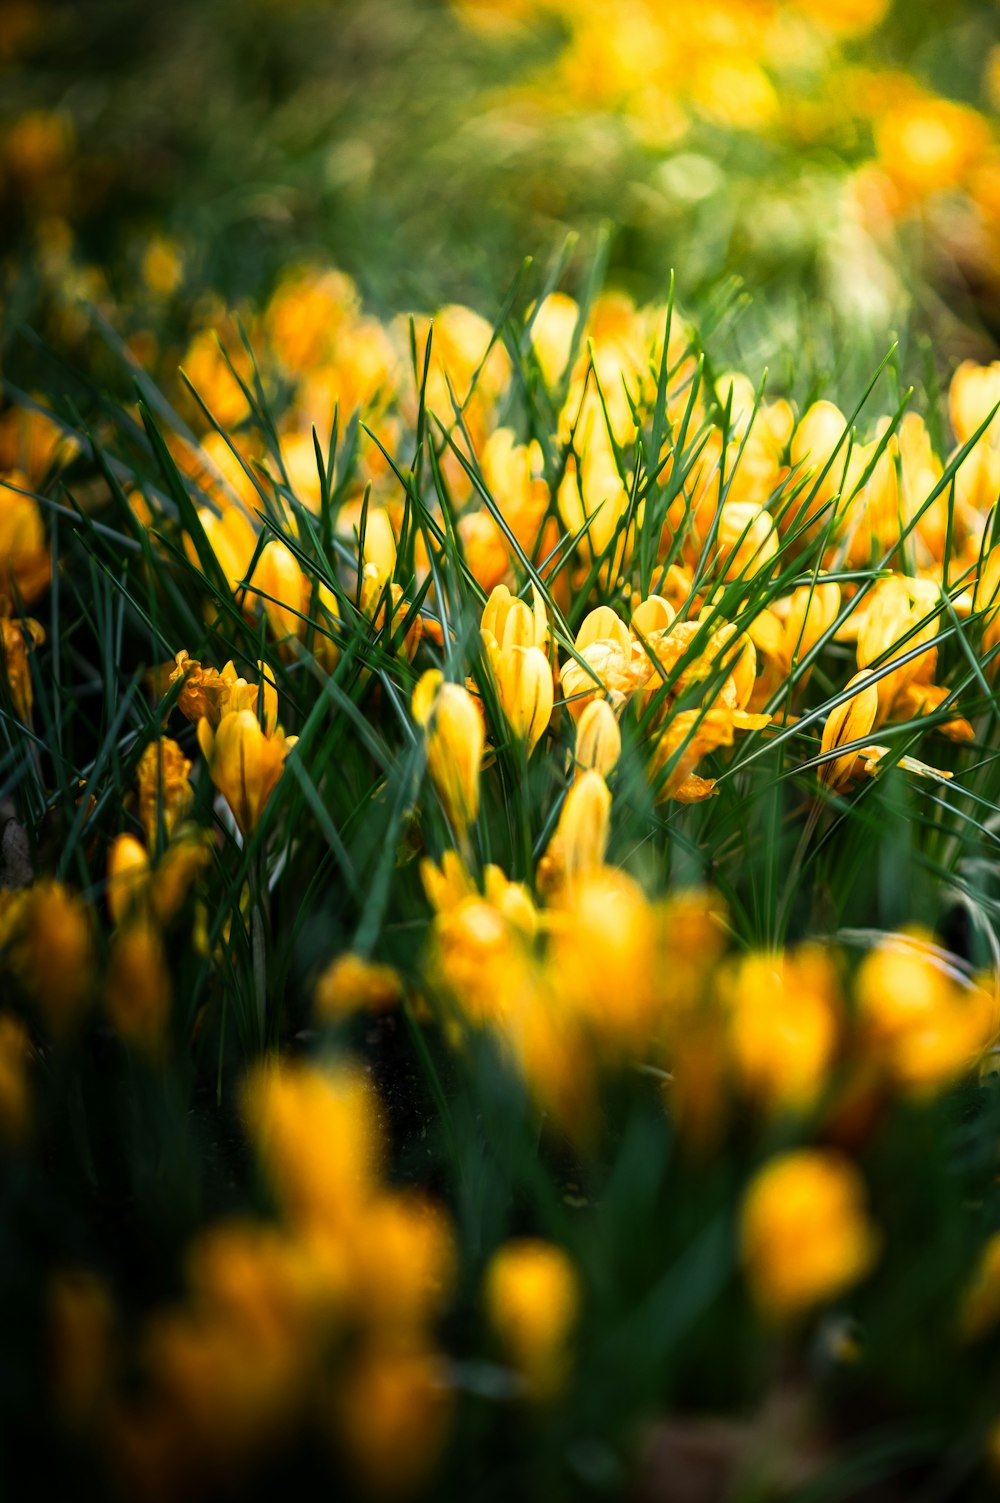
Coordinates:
128	875
598	738
524	688
532	1301
454	744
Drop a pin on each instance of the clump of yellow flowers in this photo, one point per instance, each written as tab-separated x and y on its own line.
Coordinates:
536	957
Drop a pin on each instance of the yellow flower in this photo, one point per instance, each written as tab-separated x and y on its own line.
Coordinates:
137	988
783	1021
16	639
553	323
284	589
598	738
352	984
317	1136
614	664
523	678
52	949
581	836
805	1231
747	539
393	1415
928	145
185	858
972	396
164	790
455	736
818	444
847	722
245	763
162	266
689	735
921	1018
604	963
231	538
128	876
378	594
510	622
25	561
532	1295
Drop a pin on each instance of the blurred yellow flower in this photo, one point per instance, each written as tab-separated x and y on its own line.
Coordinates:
805	1231
533	1296
137	987
164	791
352	984
922	1020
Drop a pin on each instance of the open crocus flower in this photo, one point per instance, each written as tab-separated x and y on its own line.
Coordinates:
609	663
901	615
245	763
211	694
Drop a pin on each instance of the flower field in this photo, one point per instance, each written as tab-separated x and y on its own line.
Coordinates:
500	751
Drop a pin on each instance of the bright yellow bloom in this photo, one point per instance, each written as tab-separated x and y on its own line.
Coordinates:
353	984
598	739
510	622
164	790
552	326
455	737
317	1136
922	1020
604	961
689	736
231	538
580	838
533	1297
972	396
245	763
614	664
210	694
784	1012
747	539
929	145
805	1232
846	722
128	876
523	678
185	858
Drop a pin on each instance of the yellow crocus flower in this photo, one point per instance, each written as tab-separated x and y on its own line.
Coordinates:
245	763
